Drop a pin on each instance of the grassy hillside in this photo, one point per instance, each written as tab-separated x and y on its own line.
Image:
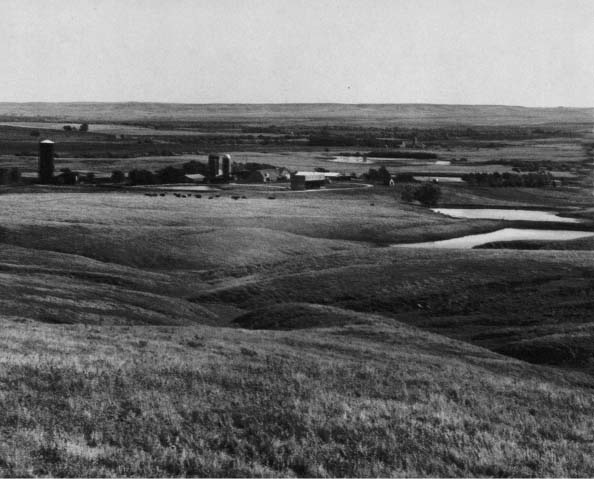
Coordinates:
377	399
163	336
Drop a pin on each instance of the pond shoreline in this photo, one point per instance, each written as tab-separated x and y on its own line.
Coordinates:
502	238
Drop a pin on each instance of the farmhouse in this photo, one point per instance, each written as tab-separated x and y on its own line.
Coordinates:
305	180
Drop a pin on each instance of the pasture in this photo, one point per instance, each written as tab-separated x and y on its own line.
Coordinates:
125	350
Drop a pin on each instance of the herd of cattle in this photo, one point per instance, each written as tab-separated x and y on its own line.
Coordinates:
189	195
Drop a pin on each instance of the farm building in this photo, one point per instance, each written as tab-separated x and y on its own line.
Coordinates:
46	161
195	178
306	180
332	176
262	176
219	167
67	177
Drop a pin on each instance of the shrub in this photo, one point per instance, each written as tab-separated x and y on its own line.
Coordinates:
404	178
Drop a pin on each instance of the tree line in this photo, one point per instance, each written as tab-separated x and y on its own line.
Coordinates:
496	179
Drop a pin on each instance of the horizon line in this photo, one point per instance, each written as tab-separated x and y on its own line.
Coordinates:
136	102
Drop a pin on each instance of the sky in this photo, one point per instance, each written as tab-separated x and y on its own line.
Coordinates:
507	52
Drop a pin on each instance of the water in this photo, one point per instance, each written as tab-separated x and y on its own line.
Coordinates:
352	159
506	234
181	188
440	179
504	214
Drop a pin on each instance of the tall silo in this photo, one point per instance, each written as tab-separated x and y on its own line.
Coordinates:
213	167
226	167
46	161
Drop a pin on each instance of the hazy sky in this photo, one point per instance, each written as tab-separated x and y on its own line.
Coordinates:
515	52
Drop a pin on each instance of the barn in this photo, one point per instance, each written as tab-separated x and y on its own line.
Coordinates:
307	180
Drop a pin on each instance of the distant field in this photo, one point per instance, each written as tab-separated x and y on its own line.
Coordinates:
311	114
119	129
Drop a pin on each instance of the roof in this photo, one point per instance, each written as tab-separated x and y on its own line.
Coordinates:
311	175
195	176
47	141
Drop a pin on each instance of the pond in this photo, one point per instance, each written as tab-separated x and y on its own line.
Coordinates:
440	179
504	214
361	160
506	234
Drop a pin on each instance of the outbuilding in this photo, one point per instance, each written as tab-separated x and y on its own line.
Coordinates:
195	178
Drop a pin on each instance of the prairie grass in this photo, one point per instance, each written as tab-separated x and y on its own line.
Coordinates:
361	400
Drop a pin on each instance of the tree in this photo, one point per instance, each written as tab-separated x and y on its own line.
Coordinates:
118	176
90	177
192	167
428	194
84	127
171	174
408	193
384	175
14	175
141	177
